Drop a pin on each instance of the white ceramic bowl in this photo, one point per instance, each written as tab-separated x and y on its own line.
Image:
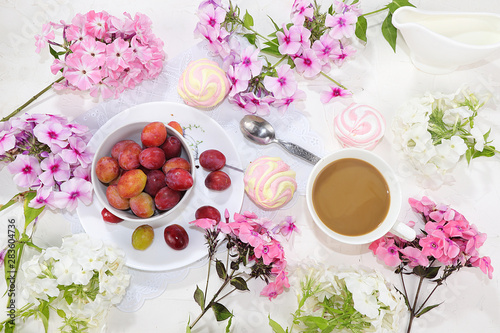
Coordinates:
388	224
133	132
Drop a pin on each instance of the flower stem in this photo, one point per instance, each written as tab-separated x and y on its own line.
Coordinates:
376	11
333	80
413	313
32	99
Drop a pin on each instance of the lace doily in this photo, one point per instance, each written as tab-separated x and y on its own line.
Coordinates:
292	126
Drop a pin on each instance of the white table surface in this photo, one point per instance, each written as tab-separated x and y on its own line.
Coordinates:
471	300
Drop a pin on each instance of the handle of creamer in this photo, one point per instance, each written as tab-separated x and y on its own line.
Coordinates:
403	231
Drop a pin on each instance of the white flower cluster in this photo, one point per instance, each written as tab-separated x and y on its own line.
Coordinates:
379	302
435	131
83	278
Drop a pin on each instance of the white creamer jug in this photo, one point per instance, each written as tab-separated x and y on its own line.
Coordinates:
440	42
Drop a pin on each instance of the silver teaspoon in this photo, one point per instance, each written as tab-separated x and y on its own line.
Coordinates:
260	131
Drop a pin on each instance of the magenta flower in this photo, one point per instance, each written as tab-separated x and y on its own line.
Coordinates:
308	64
334	92
82	71
44	198
268	252
289	40
211	16
47	34
284	103
7	139
71	191
456	228
343	24
340	53
55	169
118	54
26	170
432	246
237	83
77	152
484	263
250	64
272	290
284	85
414	257
324	47
81	172
300	10
386	251
287	227
91	47
204	223
256	105
96	24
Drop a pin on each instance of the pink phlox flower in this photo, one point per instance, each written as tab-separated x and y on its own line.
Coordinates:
341	7
282	278
142	27
256	105
212	3
450	248
92	48
342	24
229	227
340	53
287	227
97	24
118	54
47	34
78	129
250	64
57	66
55	169
7	139
82	71
300	10
484	263
474	243
272	290
324	47
140	51
284	103
211	15
132	76
71	191
456	228
248	235
284	85
268	251
121	27
432	246
77	152
389	253
436	215
53	134
204	223
74	33
81	172
216	42
449	214
435	229
305	35
237	83
289	40
26	170
104	88
333	92
308	64
44	197
414	257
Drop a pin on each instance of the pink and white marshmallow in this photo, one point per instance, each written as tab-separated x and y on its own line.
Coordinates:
359	126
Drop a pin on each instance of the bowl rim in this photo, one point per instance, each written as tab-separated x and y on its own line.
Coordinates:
127	215
389	176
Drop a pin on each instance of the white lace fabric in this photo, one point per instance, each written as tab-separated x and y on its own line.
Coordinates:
292	127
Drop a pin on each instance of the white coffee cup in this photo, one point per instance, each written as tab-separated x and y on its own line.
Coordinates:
389	224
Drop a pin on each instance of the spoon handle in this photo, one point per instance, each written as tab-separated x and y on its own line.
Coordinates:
299	151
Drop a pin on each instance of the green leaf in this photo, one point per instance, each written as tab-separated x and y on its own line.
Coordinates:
468	155
61	313
10	203
221	269
361	27
251	38
247	20
228	326
389	31
239	283
432	272
199	297
30	213
44	313
275	326
395	4
221	312
188	327
53	52
313	321
274	23
427	309
68	297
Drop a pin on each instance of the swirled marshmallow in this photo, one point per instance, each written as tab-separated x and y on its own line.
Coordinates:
359	126
270	182
203	84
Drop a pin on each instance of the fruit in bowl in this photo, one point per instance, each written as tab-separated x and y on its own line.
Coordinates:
132	177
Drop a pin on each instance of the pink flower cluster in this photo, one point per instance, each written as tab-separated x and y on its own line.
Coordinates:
249	234
103	53
256	84
48	154
447	237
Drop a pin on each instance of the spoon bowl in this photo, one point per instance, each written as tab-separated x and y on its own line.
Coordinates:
260	131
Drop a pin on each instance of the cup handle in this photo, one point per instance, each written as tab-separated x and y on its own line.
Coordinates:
403	231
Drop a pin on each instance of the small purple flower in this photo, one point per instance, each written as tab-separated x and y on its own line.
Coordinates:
327	96
26	170
53	134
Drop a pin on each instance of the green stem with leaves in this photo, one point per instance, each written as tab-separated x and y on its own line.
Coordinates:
32	99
